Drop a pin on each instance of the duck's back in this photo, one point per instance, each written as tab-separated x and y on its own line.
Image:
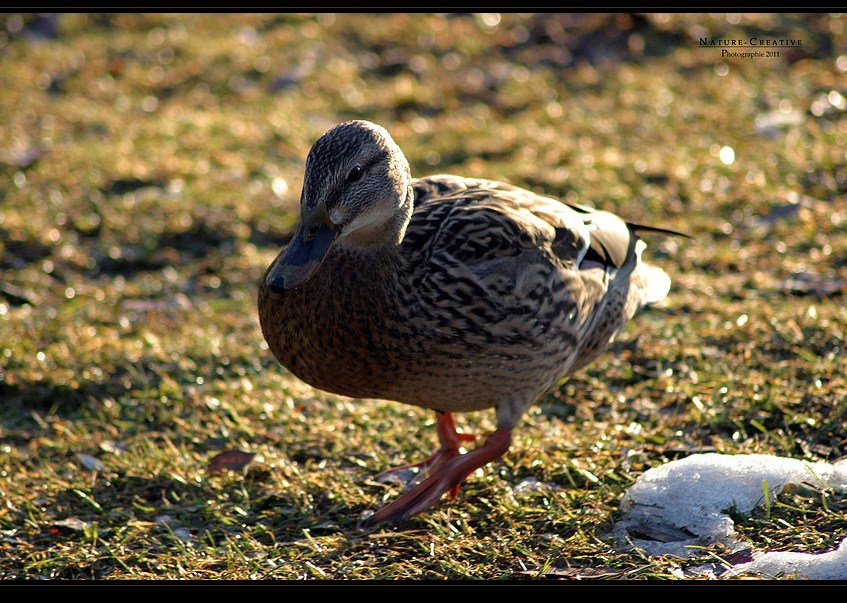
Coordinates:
482	240
515	288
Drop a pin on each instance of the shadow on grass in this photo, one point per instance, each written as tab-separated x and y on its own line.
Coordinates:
61	398
23	399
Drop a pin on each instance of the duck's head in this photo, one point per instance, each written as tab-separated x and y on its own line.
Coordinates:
357	193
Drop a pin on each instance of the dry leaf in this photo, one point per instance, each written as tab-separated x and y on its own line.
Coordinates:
232	460
91	463
71	523
809	284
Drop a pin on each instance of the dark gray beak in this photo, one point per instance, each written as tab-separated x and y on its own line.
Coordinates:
304	254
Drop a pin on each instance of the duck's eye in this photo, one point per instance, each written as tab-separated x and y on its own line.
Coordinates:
355	174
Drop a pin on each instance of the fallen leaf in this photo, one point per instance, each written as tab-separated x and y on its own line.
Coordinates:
742	556
771	123
232	460
23	157
91	463
806	283
71	523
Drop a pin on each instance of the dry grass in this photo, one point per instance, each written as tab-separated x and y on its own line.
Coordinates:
151	167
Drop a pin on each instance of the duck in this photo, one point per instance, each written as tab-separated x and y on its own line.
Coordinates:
448	293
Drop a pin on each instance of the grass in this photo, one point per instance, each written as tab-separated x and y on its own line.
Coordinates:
151	167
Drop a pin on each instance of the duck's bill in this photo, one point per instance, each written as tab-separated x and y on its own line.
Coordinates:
302	258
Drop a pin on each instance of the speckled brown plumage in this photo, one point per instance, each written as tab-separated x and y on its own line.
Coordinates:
449	293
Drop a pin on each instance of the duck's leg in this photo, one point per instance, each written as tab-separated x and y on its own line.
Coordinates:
449	439
446	477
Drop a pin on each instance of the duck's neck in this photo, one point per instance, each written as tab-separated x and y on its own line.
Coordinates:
358	267
361	275
379	236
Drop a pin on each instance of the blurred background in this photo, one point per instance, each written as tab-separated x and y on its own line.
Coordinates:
138	145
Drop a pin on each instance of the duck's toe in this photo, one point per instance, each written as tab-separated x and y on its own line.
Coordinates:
446	477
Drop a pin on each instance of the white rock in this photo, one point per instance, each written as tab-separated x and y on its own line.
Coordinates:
684	505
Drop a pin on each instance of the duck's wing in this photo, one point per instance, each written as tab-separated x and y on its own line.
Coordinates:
475	240
502	254
477	220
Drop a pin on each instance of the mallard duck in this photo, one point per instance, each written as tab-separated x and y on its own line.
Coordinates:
448	293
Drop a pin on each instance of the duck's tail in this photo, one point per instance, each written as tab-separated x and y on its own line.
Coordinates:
655	282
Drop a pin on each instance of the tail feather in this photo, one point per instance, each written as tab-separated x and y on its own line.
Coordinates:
657	283
653	282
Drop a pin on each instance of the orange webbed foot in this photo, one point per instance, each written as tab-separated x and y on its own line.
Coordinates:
445	475
449	438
